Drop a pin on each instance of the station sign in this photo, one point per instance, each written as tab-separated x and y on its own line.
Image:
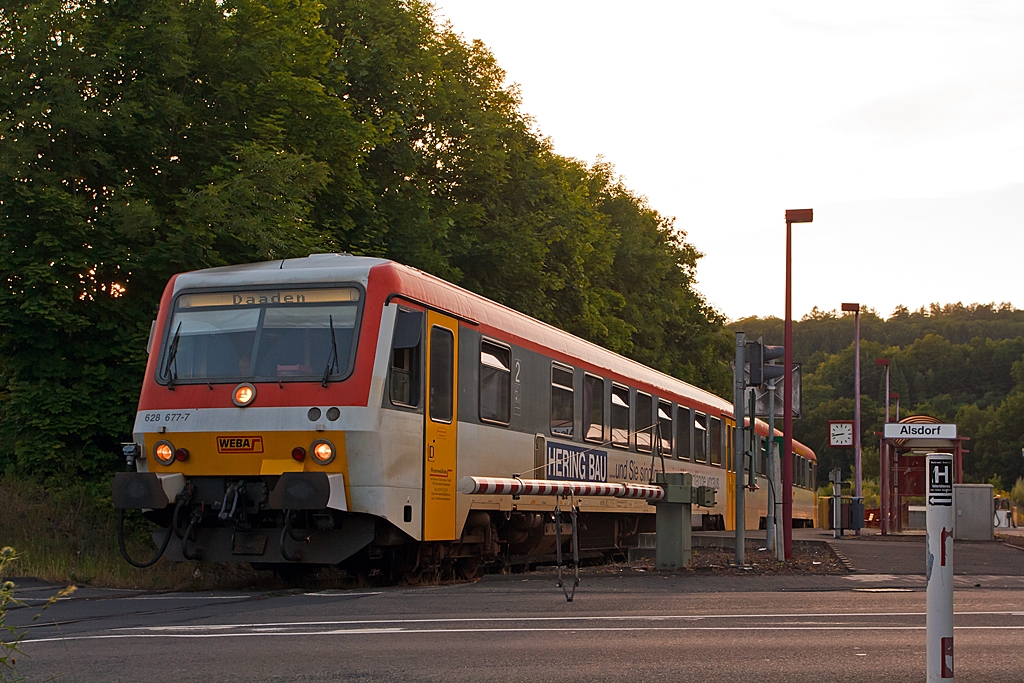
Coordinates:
940	480
909	430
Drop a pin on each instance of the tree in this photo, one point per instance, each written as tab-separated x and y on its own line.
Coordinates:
143	139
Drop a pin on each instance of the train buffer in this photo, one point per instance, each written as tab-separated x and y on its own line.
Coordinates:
672	493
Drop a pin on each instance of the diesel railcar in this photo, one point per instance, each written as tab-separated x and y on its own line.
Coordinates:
321	410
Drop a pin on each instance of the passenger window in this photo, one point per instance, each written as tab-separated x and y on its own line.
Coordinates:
620	416
495	382
644	422
665	426
563	413
715	440
593	408
404	387
685	433
442	368
700	438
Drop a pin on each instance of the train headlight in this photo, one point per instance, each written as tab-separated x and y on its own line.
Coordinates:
243	394
164	452
323	451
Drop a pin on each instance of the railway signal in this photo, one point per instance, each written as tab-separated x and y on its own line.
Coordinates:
759	356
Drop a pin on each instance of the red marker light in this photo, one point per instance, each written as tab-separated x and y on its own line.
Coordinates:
181	455
298	454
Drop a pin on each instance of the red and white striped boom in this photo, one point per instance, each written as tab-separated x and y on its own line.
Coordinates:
542	487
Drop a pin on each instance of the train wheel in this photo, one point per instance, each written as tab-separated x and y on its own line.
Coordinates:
469	568
412	577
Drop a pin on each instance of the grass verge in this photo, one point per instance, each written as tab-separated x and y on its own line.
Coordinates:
68	535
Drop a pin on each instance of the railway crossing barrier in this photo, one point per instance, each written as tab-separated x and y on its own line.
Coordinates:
672	494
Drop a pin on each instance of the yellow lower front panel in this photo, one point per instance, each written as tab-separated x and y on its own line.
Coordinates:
246	454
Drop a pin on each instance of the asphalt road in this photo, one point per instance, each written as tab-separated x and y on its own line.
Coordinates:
623	625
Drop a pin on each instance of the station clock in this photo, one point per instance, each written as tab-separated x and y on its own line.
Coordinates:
840	433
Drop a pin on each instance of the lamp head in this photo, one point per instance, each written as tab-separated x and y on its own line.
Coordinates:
799	215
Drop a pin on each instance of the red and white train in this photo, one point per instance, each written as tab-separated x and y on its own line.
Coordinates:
322	410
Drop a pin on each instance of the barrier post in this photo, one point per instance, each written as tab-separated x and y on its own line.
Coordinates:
672	522
939	567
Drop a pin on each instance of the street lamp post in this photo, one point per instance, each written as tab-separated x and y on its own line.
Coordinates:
792	216
858	490
883	460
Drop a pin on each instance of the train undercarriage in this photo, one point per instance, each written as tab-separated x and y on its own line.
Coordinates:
282	523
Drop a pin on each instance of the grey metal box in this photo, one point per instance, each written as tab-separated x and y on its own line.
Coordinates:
973	512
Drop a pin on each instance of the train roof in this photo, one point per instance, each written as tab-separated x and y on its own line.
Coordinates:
443	295
313	269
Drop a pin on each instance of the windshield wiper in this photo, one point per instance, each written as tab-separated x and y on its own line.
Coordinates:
332	360
172	353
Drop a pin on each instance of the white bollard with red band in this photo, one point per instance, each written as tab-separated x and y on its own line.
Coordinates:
939	568
542	487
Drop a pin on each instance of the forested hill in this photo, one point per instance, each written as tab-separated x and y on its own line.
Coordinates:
141	139
825	331
962	364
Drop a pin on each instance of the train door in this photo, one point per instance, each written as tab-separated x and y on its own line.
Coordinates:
730	478
439	474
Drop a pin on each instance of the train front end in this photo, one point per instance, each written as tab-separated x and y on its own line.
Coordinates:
251	390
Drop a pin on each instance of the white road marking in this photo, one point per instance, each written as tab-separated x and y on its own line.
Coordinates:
504	631
625	617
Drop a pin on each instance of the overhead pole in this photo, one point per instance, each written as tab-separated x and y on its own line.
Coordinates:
792	216
738	447
858	490
883	459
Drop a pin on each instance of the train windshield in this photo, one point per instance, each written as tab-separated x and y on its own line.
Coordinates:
261	335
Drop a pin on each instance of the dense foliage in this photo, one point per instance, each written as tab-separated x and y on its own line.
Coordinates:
144	138
962	364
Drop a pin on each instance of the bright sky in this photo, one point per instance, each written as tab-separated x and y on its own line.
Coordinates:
900	123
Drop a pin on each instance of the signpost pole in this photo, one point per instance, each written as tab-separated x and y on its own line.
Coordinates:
769	524
939	567
858	476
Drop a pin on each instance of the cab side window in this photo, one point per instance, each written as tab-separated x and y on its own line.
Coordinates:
404	381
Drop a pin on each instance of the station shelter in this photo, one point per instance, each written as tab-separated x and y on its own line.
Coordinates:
903	466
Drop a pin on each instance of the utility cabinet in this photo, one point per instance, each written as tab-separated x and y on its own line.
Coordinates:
973	512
